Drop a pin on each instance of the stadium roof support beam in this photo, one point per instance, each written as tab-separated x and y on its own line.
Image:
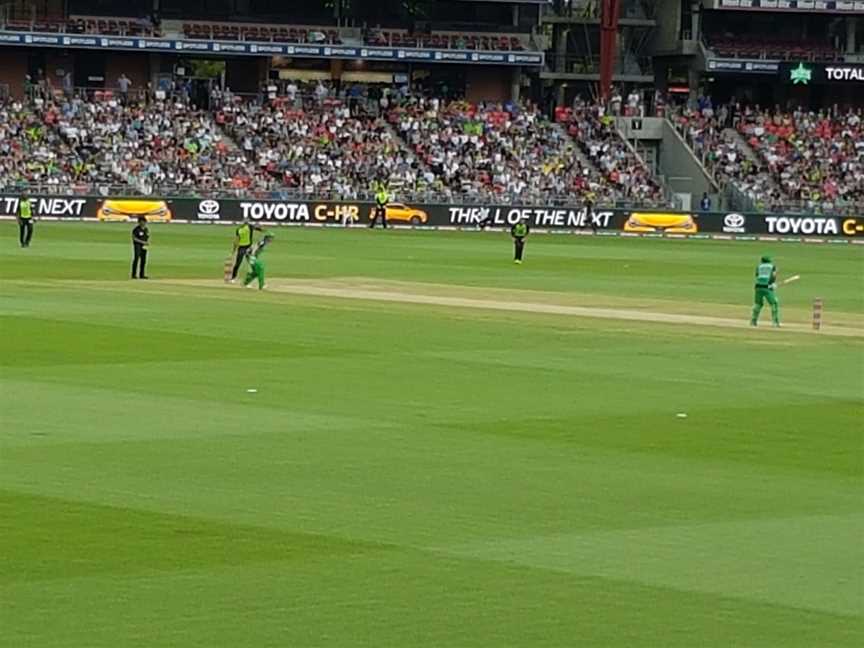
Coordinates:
608	34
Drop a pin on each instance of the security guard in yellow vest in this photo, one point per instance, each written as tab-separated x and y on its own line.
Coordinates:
382	197
242	242
25	221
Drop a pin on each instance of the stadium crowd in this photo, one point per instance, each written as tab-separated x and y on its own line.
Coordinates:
313	141
80	143
317	148
488	150
794	159
317	141
816	158
622	173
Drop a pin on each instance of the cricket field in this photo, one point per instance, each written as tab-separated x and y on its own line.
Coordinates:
409	441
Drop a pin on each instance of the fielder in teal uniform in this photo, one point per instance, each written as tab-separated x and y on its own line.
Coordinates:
766	281
256	265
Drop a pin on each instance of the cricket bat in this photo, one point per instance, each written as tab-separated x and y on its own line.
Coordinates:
790	279
229	264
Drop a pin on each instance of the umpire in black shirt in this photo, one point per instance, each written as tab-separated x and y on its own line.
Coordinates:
140	243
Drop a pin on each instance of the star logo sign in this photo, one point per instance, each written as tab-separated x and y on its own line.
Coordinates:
800	74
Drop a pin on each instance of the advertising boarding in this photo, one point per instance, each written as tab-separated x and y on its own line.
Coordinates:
551	218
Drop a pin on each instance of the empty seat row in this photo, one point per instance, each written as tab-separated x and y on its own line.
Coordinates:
446	40
277	33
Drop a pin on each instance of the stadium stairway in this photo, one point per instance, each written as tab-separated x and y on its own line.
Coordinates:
684	172
579	154
406	148
733	135
744	147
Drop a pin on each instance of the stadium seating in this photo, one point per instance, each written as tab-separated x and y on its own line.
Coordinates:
765	47
445	40
108	26
594	132
256	32
235	31
315	145
788	161
81	143
332	145
815	158
507	153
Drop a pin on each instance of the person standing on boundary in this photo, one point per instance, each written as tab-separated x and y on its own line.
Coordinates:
242	242
256	265
140	243
382	197
766	280
25	221
519	231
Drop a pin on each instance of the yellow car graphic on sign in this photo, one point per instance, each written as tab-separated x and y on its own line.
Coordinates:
123	210
658	222
403	213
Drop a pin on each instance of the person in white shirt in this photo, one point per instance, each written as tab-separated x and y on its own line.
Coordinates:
615	104
634	101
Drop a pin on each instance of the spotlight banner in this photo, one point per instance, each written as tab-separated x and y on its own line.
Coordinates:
544	218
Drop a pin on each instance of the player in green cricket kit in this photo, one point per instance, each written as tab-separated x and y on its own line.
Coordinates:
256	265
243	237
25	221
519	231
766	280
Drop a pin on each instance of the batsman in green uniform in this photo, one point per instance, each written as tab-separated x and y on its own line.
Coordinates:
766	280
256	265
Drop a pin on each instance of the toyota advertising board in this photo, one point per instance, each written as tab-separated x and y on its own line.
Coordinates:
735	223
551	218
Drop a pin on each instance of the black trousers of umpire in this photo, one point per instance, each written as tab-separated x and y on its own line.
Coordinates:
518	247
25	231
238	259
139	261
380	211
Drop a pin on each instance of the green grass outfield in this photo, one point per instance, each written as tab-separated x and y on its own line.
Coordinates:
424	475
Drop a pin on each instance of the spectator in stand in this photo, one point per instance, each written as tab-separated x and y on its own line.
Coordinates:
123	84
634	103
321	92
291	92
616	102
705	203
